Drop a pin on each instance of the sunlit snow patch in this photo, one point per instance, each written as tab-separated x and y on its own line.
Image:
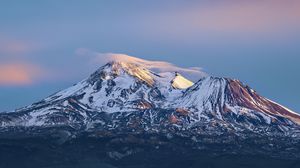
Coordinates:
179	82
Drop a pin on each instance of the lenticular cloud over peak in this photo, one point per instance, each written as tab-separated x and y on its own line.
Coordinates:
192	73
156	66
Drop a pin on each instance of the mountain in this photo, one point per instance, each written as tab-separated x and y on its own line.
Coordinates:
234	103
128	103
126	87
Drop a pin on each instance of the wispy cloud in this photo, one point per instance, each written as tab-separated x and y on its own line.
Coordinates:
19	74
193	73
231	16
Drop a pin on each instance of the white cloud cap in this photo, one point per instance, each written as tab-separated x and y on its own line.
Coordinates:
192	73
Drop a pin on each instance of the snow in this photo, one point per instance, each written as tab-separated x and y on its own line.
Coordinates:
179	82
203	95
132	69
68	92
284	107
170	85
266	117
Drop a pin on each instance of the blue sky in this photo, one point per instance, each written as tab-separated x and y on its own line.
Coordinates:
254	41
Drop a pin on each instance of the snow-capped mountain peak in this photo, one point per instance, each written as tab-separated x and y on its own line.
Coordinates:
124	108
217	97
121	86
133	89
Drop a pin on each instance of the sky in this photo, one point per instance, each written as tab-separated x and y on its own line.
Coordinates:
46	46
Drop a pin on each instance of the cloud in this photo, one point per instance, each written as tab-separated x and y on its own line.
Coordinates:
231	16
251	16
14	67
19	74
192	73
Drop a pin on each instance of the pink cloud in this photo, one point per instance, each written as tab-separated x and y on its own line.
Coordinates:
255	16
19	74
231	16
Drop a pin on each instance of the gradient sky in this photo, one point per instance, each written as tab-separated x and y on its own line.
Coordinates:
41	42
